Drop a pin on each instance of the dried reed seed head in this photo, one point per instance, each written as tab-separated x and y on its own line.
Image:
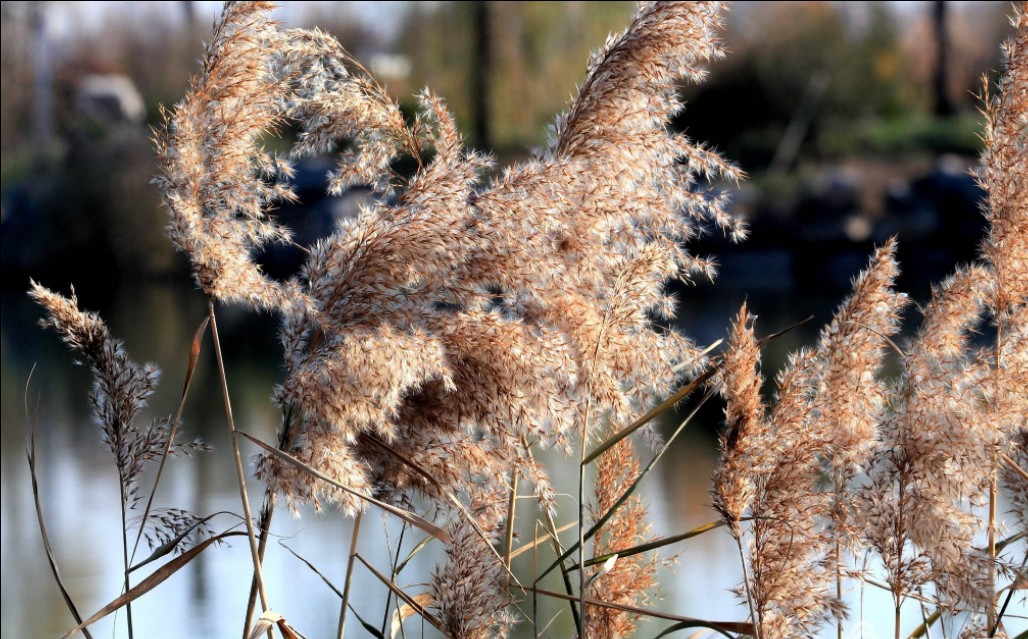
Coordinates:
453	320
216	178
630	580
121	388
743	445
465	589
1003	173
936	453
538	287
850	397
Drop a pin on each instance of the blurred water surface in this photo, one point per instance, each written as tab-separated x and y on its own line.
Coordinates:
79	492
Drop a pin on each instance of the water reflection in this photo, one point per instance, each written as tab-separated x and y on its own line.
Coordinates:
79	490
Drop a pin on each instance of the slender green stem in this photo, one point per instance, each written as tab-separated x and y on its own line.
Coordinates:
240	473
349	573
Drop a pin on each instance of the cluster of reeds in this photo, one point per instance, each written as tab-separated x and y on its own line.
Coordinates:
461	322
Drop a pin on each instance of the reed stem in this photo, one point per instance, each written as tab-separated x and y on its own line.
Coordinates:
349	573
240	473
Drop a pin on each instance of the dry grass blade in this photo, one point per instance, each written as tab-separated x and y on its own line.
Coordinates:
657	543
410	601
678	396
151	582
406	611
687	625
411	518
313	568
1013	465
372	630
670	402
539	540
414	551
461	508
194	356
724	627
508	533
271	619
30	452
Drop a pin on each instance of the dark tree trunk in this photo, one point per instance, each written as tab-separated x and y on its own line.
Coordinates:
943	105
480	71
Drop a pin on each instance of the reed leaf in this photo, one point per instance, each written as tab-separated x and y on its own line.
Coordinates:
30	453
407	516
399	592
657	543
155	579
605	517
721	626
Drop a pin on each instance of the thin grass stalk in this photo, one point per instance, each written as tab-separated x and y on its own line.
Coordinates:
749	590
658	543
394	564
535	596
508	533
124	548
924	612
264	524
923	629
268	511
990	612
581	523
240	473
1006	602
631	489
351	560
897	589
724	627
553	531
838	560
410	601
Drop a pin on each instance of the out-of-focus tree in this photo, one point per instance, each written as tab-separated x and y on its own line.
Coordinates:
16	82
974	33
877	72
537	54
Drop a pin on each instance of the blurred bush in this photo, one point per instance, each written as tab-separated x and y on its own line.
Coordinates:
75	188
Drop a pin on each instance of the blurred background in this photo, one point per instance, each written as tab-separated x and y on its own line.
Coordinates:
855	122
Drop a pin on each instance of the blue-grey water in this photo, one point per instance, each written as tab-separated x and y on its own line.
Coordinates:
79	491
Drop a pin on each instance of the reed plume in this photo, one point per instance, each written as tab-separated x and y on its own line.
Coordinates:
121	388
454	319
823	420
466	317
